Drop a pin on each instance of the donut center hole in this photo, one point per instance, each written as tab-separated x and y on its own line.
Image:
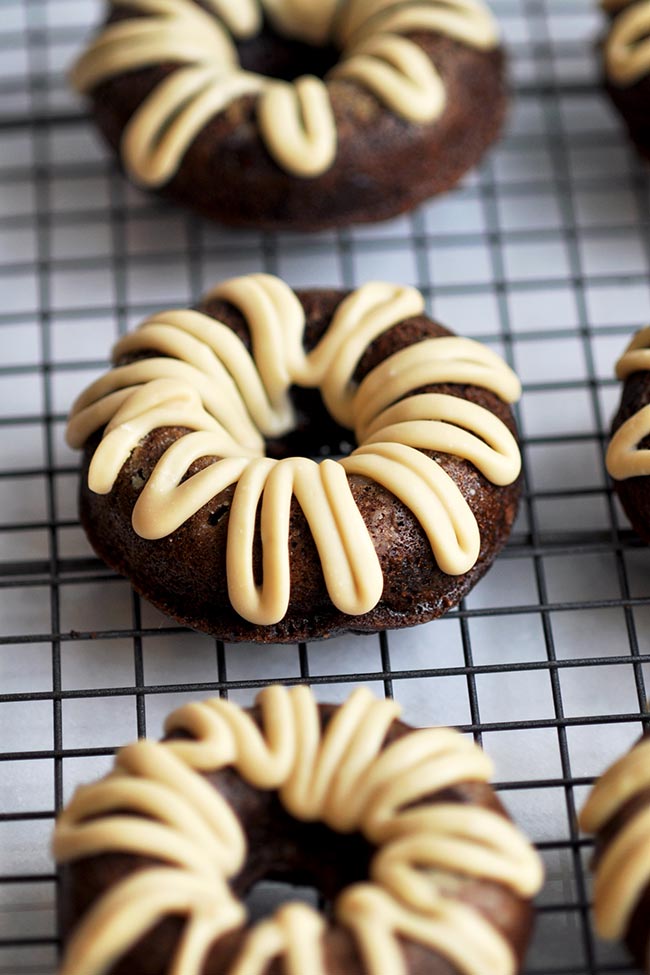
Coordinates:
292	860
315	435
274	56
267	896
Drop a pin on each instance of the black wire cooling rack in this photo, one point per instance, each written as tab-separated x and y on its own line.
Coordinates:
544	254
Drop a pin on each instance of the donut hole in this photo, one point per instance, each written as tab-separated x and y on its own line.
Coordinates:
308	862
315	435
289	859
267	896
275	56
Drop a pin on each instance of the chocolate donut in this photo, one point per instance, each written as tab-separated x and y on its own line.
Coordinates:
398	828
193	484
626	61
618	813
217	104
628	454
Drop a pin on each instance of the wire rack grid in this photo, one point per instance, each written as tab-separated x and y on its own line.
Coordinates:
544	254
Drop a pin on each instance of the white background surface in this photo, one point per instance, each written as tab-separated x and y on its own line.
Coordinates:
544	254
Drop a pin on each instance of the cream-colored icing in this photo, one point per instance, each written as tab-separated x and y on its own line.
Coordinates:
296	119
627	46
203	378
467	21
623	869
399	73
624	459
155	804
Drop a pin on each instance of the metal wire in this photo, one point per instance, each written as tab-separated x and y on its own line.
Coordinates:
544	254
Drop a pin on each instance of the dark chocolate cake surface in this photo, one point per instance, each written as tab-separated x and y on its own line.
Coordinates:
625	51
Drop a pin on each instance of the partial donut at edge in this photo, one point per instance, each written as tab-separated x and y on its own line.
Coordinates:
83	882
634	492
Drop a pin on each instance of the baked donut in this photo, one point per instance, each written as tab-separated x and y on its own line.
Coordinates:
628	454
218	104
626	56
618	813
397	828
198	482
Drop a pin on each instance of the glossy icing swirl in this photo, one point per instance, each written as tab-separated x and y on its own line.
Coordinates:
624	458
203	378
296	120
155	803
627	45
623	869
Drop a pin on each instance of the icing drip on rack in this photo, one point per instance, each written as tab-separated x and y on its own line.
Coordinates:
296	119
155	803
624	458
204	378
627	46
623	869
